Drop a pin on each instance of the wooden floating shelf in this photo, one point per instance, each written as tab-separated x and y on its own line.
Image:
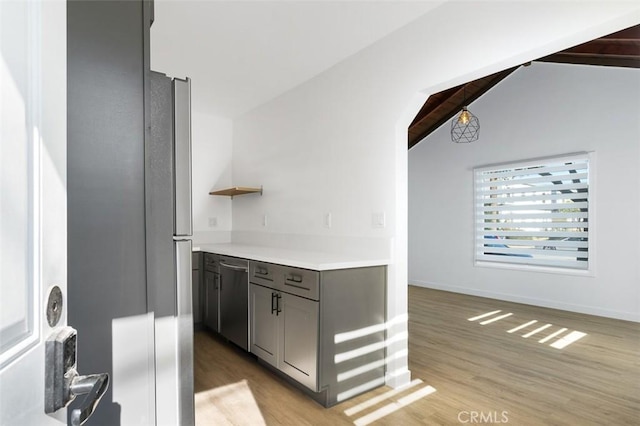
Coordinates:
236	190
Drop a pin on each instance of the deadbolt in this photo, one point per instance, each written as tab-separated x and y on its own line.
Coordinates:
54	306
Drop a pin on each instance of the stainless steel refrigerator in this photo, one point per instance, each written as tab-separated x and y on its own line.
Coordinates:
168	237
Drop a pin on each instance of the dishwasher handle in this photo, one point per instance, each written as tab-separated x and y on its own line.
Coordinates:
234	267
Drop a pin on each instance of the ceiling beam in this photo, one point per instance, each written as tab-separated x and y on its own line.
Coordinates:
593	59
449	103
620	49
631	33
433	103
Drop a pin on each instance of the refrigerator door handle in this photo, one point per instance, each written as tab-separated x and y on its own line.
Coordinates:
182	156
184	315
183	279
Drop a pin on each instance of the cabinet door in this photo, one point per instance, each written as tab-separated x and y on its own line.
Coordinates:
264	323
211	300
196	296
299	339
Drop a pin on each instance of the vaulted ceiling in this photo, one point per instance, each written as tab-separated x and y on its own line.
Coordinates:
242	54
620	49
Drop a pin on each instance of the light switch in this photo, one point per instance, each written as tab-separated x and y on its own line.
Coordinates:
327	220
378	220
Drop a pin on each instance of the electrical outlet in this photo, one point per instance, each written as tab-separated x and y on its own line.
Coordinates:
213	222
327	220
378	220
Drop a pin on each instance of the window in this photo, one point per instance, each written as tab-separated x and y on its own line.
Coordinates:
534	213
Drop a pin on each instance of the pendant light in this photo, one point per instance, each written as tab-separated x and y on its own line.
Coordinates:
465	127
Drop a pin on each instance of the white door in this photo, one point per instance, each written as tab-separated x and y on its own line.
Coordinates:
33	247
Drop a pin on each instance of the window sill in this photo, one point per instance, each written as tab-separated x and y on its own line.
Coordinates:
534	268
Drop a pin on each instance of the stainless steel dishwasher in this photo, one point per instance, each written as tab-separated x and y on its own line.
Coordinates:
234	300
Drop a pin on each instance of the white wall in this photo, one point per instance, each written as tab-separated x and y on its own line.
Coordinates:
211	169
539	111
211	134
312	163
338	142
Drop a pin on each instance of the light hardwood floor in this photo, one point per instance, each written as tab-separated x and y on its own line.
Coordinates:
462	370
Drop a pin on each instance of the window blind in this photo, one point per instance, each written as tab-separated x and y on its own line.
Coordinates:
534	213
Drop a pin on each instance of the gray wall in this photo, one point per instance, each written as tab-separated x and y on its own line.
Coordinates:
539	111
107	65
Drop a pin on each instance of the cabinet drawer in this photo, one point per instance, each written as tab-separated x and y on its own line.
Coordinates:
266	274
301	282
211	261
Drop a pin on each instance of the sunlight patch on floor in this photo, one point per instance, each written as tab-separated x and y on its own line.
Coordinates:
568	339
498	318
380	398
488	314
520	327
233	404
552	335
392	406
559	343
536	331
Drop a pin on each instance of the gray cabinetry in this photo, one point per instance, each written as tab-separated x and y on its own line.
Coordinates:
264	323
210	287
353	332
325	330
284	330
298	334
197	294
284	320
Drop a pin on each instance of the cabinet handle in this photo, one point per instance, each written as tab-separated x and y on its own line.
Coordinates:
294	278
261	271
278	310
273	304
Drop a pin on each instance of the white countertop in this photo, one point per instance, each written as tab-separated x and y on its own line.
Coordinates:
318	261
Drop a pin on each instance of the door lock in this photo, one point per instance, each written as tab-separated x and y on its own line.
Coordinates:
54	306
62	381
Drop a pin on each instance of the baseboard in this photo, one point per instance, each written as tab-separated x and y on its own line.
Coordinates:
398	380
589	310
